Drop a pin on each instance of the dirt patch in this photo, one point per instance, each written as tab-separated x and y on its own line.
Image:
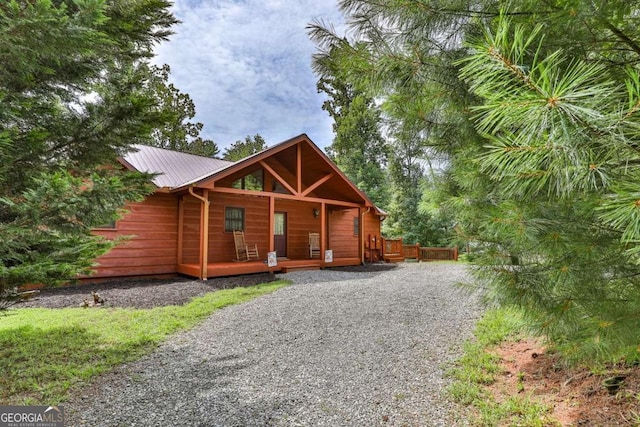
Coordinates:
575	396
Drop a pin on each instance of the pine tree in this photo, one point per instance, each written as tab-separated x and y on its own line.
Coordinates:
560	160
72	99
532	107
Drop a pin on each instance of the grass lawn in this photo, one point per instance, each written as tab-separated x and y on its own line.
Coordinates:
46	352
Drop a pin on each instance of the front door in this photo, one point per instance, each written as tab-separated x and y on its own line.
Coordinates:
280	233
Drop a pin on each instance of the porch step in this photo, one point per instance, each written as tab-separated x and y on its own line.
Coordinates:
300	267
393	258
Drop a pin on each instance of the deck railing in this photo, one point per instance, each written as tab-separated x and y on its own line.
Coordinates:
393	248
439	254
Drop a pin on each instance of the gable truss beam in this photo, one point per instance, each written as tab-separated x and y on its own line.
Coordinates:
281	180
317	184
284	196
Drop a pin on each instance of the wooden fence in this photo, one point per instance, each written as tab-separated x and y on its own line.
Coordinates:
394	251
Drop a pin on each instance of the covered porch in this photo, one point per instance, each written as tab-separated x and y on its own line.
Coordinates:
272	224
277	198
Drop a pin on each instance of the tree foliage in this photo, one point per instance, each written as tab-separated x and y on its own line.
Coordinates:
358	147
73	98
241	149
560	158
532	107
178	133
396	165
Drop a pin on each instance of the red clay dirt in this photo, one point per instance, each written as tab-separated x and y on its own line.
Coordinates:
575	396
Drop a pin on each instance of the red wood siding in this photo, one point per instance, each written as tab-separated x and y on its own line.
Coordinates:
153	247
256	225
191	231
300	222
371	225
341	238
221	246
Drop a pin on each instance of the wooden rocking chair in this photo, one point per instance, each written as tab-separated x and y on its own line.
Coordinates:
244	253
314	245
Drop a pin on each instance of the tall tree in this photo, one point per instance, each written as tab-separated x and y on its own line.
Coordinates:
358	147
179	133
537	131
409	121
241	149
72	99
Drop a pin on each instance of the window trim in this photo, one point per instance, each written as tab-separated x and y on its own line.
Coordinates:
356	226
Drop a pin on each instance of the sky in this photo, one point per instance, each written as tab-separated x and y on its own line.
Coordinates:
246	64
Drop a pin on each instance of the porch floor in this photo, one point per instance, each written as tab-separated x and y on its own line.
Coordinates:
220	269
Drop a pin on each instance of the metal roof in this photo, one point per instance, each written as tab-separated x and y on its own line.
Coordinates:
174	169
244	160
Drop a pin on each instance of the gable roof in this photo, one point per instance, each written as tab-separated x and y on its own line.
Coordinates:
178	171
173	168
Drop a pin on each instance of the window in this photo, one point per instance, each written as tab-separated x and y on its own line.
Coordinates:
233	219
356	226
253	181
108	226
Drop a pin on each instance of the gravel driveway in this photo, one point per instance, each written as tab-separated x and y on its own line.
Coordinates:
335	349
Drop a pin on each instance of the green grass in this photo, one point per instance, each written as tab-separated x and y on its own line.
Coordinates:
478	368
44	353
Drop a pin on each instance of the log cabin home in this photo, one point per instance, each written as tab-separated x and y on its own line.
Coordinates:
277	197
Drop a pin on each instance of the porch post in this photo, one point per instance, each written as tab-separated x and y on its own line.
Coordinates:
323	230
272	215
204	231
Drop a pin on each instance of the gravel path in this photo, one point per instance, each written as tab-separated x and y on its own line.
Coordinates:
336	349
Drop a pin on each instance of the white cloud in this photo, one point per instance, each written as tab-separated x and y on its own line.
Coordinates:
247	66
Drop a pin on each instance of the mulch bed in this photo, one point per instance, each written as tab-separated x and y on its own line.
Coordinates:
139	293
149	293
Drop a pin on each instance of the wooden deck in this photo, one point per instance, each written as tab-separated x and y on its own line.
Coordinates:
221	269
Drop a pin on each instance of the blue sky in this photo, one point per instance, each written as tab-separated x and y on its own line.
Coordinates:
247	66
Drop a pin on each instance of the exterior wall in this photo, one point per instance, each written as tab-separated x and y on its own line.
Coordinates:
300	222
191	231
153	225
372	225
342	239
256	223
221	246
